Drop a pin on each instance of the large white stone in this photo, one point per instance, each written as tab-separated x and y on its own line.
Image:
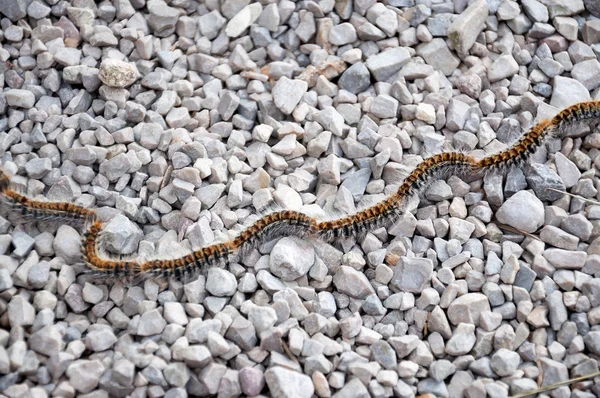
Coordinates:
567	92
523	211
464	30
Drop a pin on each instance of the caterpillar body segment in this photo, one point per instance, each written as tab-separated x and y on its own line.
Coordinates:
437	167
521	151
578	113
42	210
558	127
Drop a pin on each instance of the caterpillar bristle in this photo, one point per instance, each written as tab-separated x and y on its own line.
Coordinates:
276	223
4	182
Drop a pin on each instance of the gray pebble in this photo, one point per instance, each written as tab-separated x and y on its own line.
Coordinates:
505	362
553	372
20	98
567	91
386	64
341	34
151	323
468	308
462	341
355	79
412	274
47	341
351	282
437	54
523	211
20	312
291	258
287	383
463	31
84	375
242	333
251	380
121	235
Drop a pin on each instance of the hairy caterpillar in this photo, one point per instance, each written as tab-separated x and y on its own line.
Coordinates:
530	142
287	222
266	228
388	211
40	210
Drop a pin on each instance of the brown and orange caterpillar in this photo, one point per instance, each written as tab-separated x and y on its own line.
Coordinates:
41	210
287	222
269	227
558	126
387	212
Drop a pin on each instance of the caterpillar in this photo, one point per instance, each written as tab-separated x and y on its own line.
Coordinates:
388	211
266	228
40	210
287	222
530	142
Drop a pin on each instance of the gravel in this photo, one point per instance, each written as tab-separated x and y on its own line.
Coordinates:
180	121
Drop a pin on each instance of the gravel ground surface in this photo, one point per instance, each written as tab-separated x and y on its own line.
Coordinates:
181	120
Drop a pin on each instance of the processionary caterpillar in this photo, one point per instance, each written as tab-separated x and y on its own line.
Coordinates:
40	210
287	222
